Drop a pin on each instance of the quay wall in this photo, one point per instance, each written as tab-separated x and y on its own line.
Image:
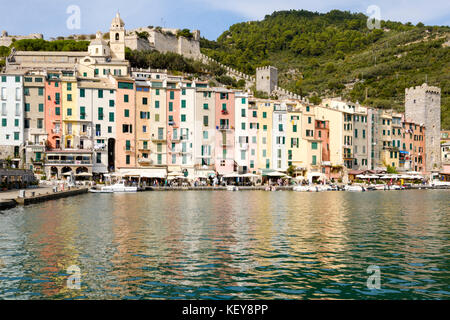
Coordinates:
51	196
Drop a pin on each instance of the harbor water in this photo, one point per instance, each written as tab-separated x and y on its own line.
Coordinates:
229	245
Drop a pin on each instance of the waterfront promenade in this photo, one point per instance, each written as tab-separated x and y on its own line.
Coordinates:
10	199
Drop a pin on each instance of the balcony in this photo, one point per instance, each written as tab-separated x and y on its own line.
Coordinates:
128	149
224	111
158	139
223	127
348	156
204	167
145	161
226	143
243	146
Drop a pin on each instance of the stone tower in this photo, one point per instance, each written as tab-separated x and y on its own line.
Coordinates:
117	38
423	106
266	79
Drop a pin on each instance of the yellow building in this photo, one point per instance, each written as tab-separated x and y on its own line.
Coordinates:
265	112
295	154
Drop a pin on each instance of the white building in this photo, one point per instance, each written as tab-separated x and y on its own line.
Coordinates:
279	125
241	118
96	103
12	109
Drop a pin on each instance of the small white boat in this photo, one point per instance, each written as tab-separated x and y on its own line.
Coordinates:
300	188
380	187
354	188
232	188
324	188
100	191
119	187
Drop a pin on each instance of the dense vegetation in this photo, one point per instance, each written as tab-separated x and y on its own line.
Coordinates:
177	63
44	45
335	54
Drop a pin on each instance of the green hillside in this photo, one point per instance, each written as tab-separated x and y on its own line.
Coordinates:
335	54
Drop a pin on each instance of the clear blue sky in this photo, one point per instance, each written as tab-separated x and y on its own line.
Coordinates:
211	17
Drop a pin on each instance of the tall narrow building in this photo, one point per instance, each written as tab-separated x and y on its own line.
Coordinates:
117	38
423	106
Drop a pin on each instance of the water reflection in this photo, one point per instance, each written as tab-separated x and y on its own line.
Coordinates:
222	245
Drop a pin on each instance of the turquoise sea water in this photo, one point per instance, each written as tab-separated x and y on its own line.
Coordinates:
229	245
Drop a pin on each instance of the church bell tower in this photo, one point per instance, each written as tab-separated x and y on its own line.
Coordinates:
117	38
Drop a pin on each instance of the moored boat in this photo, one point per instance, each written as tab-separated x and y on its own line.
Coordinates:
354	189
119	187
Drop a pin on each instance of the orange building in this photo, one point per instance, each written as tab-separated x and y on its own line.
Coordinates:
412	153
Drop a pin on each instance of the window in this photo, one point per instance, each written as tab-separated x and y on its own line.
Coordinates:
128	145
170	106
314	146
111	103
57	111
100	113
205	134
127	113
205	106
309	119
243	113
100	93
69	97
144	101
157	92
127	159
17	80
264	115
82	93
172	95
183	118
69	87
205	121
125	85
314	160
4	122
41	107
69	111
82	113
27	107
126	98
16	134
183	104
40	91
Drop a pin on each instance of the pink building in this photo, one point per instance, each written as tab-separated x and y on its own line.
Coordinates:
224	148
53	111
125	144
322	133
